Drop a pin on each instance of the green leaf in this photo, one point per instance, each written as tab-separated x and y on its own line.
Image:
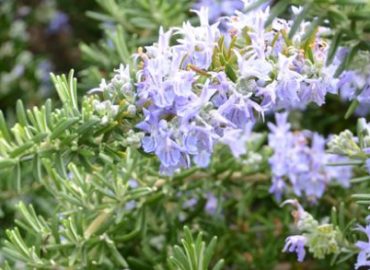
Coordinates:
194	253
347	60
254	4
62	127
210	251
335	41
21	149
230	72
362	131
311	31
219	265
36	171
276	10
351	2
4	128
299	19
17	177
334	216
360	179
21	113
361	196
181	257
351	108
7	163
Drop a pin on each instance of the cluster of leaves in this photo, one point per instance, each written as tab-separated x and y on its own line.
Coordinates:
347	20
194	254
95	219
127	25
70	174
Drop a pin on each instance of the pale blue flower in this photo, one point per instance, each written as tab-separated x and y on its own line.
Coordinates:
59	22
132	183
296	243
130	205
197	43
202	105
218	8
300	159
367	165
199	143
211	205
190	203
363	258
364	96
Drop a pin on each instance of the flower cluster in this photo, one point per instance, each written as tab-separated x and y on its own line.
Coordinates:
210	87
300	158
277	69
120	84
186	113
345	143
354	84
355	148
320	239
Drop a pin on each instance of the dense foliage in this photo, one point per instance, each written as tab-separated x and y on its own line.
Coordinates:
224	137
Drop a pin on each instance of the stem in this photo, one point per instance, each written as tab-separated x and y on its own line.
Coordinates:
97	222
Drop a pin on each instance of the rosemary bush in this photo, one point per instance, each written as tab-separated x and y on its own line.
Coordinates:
197	143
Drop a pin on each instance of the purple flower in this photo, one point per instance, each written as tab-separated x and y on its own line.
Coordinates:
149	144
367	165
190	203
218	8
288	85
239	110
281	140
190	103
183	162
296	243
362	110
364	254
341	174
222	86
44	68
211	205
197	43
364	96
355	85
190	107
313	90
300	159
168	152
236	139
347	84
150	121
254	68
198	142
278	187
198	116
58	23
132	183
130	205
